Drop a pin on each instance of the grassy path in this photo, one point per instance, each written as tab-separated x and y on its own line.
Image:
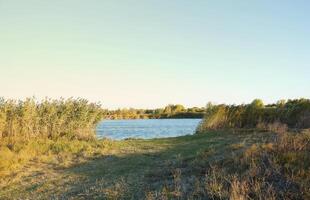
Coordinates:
129	169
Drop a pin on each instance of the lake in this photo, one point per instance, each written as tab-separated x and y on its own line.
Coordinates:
146	128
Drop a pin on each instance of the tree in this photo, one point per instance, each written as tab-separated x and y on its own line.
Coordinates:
257	103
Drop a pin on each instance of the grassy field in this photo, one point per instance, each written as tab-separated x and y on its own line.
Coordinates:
172	168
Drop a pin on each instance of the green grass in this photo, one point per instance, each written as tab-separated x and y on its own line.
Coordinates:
173	168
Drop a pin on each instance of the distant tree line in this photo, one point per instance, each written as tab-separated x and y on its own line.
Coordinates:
74	118
293	113
170	111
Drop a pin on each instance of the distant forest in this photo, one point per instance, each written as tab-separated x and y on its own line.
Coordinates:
170	111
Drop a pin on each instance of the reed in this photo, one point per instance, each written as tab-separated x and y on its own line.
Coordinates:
72	118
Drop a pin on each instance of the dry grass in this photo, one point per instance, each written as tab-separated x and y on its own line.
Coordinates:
16	153
217	165
276	127
274	169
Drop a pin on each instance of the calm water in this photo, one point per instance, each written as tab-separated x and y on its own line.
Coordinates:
146	128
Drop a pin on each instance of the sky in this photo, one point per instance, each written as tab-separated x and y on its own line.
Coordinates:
147	54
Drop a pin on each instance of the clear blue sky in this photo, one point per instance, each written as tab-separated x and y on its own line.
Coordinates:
151	53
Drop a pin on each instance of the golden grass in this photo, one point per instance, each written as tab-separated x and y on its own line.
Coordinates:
16	153
276	168
216	165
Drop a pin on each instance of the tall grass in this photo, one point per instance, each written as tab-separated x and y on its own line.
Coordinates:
293	113
72	118
53	131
